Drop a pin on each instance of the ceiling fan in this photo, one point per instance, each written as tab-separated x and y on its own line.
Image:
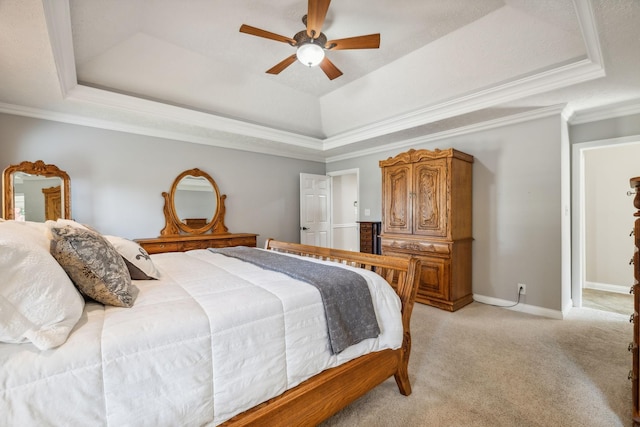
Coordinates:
311	43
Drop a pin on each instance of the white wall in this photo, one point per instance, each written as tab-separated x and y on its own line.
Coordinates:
117	178
516	206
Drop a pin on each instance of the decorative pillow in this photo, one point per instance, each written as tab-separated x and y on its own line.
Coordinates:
38	302
94	265
137	259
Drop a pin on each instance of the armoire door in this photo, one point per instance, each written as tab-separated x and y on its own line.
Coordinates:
396	192
430	184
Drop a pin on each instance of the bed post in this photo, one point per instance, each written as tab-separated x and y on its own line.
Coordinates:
407	290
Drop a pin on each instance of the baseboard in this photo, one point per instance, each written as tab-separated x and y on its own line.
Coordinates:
619	289
521	307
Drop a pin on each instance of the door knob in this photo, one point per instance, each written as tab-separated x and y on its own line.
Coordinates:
303	228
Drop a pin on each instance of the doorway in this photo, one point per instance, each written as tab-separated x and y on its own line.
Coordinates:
602	219
345	212
329	210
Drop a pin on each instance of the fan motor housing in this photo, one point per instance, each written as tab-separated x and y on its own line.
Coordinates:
303	38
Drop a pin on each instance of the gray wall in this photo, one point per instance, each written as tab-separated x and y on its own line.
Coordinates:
117	178
604	129
516	207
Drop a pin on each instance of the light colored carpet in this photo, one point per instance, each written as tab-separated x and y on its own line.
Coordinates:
488	366
607	301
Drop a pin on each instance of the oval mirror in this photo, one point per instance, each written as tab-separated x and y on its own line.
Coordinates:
35	191
195	201
194	205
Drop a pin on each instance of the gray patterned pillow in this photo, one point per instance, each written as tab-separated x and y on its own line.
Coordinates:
94	265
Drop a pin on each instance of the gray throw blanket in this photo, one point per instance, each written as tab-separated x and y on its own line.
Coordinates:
345	294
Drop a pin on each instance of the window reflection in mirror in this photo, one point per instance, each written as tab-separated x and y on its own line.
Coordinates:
37	198
195	201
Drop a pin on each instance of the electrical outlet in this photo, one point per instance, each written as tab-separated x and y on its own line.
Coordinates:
522	289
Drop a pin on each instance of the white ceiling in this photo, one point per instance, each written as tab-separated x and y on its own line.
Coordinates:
180	69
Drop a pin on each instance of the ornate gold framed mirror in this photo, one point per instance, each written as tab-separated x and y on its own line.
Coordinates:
35	191
194	205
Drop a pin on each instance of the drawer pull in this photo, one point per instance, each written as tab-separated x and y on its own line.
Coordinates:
631	290
633	316
631	346
632	231
630	376
631	261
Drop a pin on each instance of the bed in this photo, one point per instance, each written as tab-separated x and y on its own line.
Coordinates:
213	340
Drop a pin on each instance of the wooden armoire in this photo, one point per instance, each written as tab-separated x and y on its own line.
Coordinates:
426	212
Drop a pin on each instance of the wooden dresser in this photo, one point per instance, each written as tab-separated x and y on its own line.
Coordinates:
370	237
426	212
181	243
635	289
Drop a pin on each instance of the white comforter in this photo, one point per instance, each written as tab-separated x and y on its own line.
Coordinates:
210	339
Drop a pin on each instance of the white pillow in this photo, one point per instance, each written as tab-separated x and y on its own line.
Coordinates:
38	301
137	259
37	232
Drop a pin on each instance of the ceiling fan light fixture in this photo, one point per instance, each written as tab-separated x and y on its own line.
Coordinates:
310	54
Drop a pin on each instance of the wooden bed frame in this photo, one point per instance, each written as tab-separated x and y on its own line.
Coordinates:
330	391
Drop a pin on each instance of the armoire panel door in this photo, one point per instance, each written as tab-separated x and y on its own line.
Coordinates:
431	189
396	182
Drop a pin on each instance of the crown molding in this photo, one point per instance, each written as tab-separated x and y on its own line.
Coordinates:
538	113
58	18
626	108
570	74
587	22
155	110
158	133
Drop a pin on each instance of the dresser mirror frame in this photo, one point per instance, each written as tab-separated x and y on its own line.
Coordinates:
174	224
38	168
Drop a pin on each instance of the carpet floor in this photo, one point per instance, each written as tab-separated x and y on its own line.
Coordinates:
488	366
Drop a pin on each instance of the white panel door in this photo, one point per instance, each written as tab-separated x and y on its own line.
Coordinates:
315	210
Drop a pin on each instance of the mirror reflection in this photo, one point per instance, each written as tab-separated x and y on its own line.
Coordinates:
194	205
36	198
195	201
35	191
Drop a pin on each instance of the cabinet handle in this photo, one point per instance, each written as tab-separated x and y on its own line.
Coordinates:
630	376
630	346
631	261
632	232
632	317
631	290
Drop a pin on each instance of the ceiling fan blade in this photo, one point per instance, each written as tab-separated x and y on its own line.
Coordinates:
276	69
247	29
316	13
371	41
329	69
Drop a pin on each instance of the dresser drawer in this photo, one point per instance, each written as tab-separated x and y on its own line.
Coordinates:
160	247
235	241
190	242
194	244
415	247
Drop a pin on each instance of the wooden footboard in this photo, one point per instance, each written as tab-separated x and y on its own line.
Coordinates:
328	392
